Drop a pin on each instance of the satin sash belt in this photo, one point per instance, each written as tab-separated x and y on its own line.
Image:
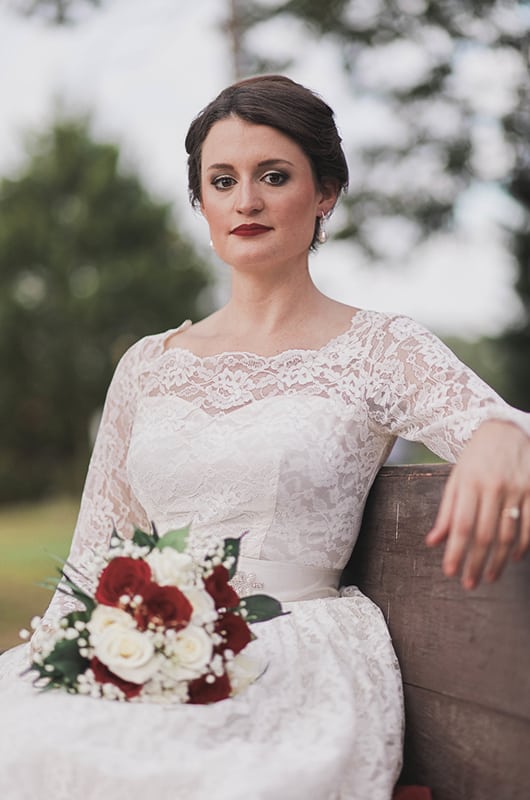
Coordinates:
284	580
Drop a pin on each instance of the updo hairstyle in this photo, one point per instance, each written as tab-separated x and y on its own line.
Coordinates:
281	103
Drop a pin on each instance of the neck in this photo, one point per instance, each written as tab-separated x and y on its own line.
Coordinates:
271	304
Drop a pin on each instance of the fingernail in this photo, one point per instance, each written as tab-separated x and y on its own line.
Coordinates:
469	583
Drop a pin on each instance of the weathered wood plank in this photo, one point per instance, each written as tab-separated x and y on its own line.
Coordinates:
463	751
472	645
465	656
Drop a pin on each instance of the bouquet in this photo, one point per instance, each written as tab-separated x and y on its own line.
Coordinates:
160	626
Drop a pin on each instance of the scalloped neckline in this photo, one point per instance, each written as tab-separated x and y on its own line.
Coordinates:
246	354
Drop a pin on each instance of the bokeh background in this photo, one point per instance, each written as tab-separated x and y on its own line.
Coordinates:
98	244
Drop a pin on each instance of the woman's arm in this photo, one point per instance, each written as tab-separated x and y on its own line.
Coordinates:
419	390
107	499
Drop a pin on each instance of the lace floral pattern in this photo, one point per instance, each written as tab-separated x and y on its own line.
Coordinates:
286	448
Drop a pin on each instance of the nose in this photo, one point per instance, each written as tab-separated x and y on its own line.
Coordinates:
249	200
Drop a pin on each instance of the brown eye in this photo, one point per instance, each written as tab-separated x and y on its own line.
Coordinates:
275	178
223	182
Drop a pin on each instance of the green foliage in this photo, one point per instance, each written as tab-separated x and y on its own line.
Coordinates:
231	550
65	665
439	126
89	263
177	539
514	345
385	180
262	607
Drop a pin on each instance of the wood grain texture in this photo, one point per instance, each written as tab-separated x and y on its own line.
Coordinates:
465	752
464	656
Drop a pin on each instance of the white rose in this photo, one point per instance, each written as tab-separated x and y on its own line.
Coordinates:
171	568
203	605
127	652
105	616
191	653
242	671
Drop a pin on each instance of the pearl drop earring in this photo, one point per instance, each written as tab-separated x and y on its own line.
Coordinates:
322	235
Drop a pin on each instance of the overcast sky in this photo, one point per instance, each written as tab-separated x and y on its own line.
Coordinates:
144	69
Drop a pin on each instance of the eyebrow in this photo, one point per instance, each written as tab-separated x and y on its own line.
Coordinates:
269	162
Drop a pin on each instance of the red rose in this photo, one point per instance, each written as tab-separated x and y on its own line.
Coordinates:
202	692
235	632
122	576
218	587
103	675
164	606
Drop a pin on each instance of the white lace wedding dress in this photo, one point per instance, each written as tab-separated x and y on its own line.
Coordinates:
285	447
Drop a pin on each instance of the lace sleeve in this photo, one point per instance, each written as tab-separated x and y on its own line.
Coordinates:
107	499
418	389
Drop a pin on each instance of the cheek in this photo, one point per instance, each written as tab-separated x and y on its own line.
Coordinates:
302	204
210	212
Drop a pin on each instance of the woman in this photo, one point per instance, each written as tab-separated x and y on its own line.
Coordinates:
273	415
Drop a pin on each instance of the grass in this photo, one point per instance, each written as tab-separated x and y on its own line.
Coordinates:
30	535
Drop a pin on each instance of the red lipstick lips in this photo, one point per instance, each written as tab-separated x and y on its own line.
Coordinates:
250	230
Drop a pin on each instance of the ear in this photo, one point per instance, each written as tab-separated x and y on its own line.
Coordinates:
329	192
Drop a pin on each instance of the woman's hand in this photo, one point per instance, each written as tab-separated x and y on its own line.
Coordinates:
485	510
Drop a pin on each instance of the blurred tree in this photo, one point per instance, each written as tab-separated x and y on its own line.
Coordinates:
60	12
88	264
514	345
438	76
447	83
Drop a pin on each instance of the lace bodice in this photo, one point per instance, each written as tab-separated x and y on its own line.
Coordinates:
285	446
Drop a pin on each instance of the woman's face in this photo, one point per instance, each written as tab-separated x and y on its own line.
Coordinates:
258	195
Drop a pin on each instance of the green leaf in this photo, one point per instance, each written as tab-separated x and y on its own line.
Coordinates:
176	539
156	535
115	535
261	607
78	616
232	549
143	539
66	660
88	602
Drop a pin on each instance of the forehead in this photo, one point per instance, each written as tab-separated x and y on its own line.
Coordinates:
232	140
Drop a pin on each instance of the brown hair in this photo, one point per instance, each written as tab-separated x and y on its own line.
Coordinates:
281	103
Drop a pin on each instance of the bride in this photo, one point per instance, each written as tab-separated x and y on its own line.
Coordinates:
272	415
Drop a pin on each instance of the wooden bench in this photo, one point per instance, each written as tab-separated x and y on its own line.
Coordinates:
464	656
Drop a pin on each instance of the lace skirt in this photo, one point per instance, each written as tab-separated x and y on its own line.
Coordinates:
323	722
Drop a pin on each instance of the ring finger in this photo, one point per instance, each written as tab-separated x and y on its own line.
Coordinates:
507	538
